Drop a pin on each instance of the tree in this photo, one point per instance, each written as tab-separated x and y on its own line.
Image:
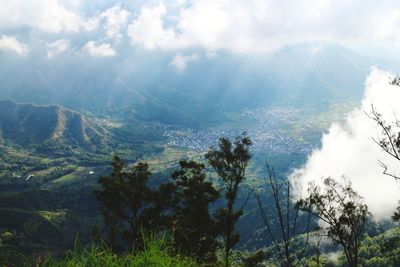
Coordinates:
343	212
395	81
389	141
287	215
194	228
124	197
230	161
130	206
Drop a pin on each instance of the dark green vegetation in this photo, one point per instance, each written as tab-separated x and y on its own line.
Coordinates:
51	157
41	215
230	161
180	207
19	124
156	253
344	213
125	197
194	229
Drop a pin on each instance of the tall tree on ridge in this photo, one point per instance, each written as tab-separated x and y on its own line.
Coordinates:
230	161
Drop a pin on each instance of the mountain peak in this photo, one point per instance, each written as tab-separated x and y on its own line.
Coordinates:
28	124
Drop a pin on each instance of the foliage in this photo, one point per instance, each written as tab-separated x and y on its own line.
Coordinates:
130	206
194	228
156	253
343	212
180	207
254	259
381	250
125	200
229	161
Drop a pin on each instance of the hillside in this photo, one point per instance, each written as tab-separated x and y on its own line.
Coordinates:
29	124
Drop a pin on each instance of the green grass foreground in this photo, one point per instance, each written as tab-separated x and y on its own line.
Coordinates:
156	254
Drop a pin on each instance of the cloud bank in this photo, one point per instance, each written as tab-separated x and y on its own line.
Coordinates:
348	150
232	25
50	16
248	26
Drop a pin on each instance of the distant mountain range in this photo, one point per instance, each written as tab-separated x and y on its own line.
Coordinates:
27	124
146	86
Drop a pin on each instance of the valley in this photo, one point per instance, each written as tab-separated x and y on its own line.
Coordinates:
61	123
50	182
56	160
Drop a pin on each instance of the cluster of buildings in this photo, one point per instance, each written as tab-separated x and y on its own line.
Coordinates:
270	131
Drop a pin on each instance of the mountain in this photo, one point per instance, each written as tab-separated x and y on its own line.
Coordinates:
29	124
146	86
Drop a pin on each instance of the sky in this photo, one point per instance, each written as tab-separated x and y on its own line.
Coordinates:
98	27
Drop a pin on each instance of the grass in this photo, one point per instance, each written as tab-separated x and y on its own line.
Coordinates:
54	216
170	157
76	172
66	178
156	254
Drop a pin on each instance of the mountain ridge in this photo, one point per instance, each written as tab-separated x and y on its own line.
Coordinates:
149	88
29	124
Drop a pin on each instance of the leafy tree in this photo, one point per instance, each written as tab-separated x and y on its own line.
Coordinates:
254	259
124	197
343	212
381	250
230	161
286	215
194	228
130	206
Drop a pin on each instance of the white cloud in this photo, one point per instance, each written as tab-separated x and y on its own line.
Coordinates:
208	24
148	29
390	29
90	24
255	25
57	47
10	43
115	17
204	24
348	150
233	25
47	15
99	50
180	62
180	2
